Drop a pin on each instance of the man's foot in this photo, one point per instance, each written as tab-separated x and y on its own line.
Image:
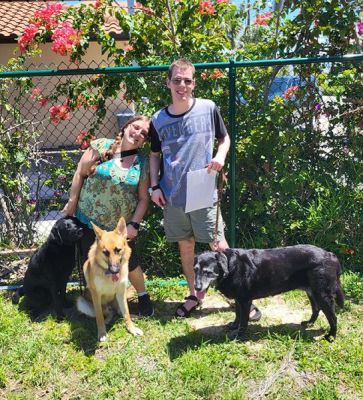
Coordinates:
146	308
255	313
184	310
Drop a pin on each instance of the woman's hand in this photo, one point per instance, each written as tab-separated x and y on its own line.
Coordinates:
69	209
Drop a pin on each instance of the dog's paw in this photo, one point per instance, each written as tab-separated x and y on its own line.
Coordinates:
102	338
134	330
329	338
306	324
232	326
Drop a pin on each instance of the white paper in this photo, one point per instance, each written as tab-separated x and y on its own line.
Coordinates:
200	189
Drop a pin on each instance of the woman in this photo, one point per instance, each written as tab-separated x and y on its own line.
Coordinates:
112	180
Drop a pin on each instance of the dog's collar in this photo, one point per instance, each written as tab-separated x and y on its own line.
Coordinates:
223	276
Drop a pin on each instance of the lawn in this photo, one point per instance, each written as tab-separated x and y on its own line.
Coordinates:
185	359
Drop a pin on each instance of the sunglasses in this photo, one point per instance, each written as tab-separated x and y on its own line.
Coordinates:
178	81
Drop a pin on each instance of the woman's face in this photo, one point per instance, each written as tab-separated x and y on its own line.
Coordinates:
136	133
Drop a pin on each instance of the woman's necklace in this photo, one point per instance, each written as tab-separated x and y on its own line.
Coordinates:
126	153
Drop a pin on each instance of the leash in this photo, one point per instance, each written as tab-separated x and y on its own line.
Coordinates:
222	179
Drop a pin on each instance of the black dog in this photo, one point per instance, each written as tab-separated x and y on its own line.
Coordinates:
50	267
245	275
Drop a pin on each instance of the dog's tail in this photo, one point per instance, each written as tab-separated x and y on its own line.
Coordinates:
85	307
339	294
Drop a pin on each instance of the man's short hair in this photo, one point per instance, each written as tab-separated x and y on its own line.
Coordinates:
182	63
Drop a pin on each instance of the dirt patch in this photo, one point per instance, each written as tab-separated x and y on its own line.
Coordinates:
216	311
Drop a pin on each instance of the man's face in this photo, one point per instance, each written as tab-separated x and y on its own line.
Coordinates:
181	84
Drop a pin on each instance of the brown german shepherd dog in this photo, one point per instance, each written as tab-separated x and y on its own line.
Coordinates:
106	272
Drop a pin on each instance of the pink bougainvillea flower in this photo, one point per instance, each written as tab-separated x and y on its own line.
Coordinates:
42	101
222	1
84	139
37	96
64	38
35	93
263	19
98	4
206	7
290	92
48	16
59	113
27	37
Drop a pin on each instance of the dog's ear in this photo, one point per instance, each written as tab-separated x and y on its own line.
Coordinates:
222	262
121	227
98	231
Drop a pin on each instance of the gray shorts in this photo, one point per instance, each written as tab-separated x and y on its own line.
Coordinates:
198	224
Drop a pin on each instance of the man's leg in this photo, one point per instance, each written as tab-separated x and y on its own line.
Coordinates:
186	249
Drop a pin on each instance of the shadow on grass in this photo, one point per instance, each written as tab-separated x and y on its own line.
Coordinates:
255	332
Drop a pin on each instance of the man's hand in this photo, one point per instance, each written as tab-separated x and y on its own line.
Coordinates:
158	198
216	163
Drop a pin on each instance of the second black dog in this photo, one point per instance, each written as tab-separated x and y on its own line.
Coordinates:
50	267
245	275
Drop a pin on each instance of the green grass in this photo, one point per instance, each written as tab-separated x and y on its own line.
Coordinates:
177	359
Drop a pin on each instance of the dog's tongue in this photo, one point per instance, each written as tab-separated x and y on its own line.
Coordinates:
115	277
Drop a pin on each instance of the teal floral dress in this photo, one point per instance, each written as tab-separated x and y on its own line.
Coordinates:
112	191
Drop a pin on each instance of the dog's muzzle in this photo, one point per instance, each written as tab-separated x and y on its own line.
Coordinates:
113	269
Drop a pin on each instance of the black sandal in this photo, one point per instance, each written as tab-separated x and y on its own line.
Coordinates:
181	307
257	315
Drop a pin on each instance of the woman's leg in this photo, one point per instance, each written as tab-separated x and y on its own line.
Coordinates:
137	280
136	277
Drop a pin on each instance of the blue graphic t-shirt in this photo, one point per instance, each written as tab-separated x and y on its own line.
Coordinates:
186	142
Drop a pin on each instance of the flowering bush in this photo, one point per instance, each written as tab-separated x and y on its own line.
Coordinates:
64	38
206	7
59	113
263	19
290	170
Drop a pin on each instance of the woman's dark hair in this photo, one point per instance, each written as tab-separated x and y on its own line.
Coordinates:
108	154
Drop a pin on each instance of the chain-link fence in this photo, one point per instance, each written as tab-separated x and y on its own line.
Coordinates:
295	167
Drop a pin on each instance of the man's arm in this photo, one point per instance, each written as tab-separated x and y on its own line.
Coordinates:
217	162
157	195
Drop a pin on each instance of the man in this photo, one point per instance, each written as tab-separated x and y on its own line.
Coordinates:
184	132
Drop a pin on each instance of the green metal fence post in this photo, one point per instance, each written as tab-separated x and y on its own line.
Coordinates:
232	158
